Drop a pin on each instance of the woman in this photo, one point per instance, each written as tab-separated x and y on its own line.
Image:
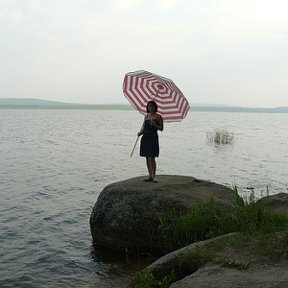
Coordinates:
149	146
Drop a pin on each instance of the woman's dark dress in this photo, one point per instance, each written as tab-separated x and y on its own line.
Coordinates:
149	146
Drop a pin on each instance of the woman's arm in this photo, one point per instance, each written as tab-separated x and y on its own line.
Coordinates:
158	124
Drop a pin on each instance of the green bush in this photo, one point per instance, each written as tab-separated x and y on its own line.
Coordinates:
205	221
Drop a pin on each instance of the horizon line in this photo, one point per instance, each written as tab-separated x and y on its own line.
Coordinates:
57	102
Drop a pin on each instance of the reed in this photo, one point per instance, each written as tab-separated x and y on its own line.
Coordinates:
220	136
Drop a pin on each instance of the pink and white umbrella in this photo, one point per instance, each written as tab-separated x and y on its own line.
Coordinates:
141	86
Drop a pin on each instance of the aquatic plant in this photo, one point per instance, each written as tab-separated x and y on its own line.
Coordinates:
220	136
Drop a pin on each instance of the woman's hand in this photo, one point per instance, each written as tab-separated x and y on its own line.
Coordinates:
153	123
157	123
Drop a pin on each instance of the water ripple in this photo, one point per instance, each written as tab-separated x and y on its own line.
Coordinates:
55	163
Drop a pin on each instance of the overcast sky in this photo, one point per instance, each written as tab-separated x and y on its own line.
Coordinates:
232	52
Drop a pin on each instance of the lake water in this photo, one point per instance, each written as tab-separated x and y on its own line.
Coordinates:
54	164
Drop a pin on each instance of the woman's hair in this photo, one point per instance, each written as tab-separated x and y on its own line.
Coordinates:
154	104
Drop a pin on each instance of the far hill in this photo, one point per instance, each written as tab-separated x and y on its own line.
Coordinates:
28	101
223	108
31	103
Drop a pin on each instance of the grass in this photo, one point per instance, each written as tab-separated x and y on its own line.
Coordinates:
238	252
199	223
220	136
205	221
263	235
146	279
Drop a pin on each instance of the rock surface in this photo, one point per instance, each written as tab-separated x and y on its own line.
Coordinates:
174	261
214	276
126	214
254	272
277	202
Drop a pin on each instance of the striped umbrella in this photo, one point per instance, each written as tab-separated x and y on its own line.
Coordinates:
141	86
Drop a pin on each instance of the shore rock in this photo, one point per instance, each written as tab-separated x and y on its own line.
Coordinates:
254	273
277	202
214	276
126	214
177	261
193	272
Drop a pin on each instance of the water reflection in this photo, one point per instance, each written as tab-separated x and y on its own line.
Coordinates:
116	268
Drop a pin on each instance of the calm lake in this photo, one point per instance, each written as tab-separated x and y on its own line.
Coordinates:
54	164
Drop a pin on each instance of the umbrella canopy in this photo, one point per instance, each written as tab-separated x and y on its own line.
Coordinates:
140	87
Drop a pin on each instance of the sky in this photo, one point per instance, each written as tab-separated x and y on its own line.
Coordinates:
226	52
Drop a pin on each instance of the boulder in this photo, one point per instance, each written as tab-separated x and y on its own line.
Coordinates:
215	276
126	214
277	202
179	262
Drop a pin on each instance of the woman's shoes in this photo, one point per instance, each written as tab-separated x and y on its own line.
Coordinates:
151	180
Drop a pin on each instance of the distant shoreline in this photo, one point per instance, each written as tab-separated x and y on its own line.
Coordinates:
70	106
31	103
128	107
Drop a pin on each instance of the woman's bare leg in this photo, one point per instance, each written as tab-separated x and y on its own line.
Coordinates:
153	167
149	167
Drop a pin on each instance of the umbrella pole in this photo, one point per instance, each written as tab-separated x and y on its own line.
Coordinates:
134	146
137	139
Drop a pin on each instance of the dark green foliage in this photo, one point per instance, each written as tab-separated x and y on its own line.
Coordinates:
146	279
263	232
204	222
255	217
199	223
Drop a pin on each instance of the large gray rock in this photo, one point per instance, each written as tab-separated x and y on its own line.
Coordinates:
179	262
126	214
214	276
277	202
